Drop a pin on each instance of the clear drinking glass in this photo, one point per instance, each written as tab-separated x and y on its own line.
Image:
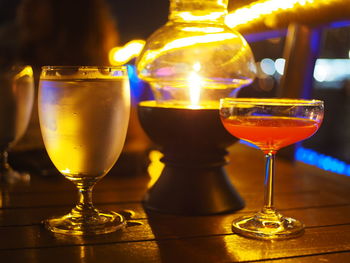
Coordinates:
16	103
270	124
84	114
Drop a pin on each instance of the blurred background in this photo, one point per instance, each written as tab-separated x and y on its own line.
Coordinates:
122	21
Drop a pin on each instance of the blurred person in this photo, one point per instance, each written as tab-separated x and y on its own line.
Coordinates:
65	32
57	32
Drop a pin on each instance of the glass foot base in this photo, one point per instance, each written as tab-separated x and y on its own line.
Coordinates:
101	223
268	225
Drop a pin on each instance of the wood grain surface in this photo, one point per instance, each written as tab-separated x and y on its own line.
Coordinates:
319	199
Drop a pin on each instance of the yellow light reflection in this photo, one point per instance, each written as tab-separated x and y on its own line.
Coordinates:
26	71
4	198
259	9
121	55
65	171
237	18
194	85
188	16
61	139
185	42
203	29
155	167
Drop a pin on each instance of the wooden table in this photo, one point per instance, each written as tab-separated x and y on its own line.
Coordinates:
320	199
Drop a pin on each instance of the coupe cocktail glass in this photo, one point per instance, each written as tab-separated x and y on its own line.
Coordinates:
270	124
84	114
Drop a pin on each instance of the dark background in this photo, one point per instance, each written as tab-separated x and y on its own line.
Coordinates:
137	19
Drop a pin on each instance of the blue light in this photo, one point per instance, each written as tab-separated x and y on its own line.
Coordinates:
326	70
332	70
337	24
314	158
322	161
249	144
279	65
137	86
268	66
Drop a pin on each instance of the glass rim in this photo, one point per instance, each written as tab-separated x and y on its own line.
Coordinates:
83	67
83	72
272	101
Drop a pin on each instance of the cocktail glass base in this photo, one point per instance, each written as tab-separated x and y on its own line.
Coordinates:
268	225
99	223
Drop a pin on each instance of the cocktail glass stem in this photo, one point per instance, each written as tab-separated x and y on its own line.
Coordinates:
269	180
268	223
269	213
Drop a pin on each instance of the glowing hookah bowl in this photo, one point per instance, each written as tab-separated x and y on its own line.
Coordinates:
190	63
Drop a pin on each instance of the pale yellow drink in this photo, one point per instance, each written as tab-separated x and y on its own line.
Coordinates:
84	123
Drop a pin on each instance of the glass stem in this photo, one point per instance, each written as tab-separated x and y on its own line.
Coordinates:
85	207
269	180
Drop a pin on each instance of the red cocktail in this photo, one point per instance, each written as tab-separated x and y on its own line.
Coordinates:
270	124
271	133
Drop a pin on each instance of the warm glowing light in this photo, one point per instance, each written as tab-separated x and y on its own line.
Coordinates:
188	41
26	71
207	30
121	55
262	8
65	125
185	42
197	67
155	166
188	16
65	171
195	84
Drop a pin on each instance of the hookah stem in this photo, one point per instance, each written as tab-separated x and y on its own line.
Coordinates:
269	180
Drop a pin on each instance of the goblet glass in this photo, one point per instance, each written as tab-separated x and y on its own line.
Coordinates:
84	114
16	102
270	124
